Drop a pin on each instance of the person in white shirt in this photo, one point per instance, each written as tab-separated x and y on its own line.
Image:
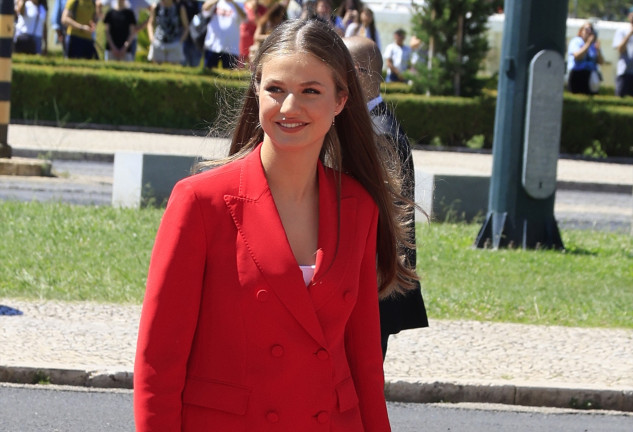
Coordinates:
223	33
623	43
30	26
397	57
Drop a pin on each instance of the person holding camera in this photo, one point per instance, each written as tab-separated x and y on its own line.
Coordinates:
584	56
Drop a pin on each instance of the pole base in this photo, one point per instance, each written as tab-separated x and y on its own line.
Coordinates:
498	231
5	151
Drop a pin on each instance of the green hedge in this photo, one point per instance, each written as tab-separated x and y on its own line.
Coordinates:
119	97
447	121
63	91
599	126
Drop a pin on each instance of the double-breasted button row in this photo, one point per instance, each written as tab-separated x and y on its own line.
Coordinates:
278	351
321	417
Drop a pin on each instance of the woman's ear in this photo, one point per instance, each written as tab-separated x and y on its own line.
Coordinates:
342	100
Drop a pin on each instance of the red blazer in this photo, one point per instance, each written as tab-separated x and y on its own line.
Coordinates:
230	338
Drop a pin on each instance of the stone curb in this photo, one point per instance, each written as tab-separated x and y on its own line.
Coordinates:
510	394
395	390
61	376
64	155
594	187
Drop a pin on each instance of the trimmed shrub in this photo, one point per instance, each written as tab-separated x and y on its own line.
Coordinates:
172	97
447	121
119	97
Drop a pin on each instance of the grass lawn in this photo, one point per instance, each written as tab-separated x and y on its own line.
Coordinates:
64	252
589	284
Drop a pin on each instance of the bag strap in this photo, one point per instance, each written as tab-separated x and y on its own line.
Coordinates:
37	19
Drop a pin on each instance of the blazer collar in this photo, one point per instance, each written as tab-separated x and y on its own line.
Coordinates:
256	218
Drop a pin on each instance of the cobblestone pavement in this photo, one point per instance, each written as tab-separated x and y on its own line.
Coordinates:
87	335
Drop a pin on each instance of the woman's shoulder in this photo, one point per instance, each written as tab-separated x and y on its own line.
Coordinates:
215	179
205	190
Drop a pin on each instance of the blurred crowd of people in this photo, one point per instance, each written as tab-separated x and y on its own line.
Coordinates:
189	32
584	57
230	31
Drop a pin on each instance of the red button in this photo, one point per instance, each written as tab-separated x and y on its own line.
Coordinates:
323	417
272	417
322	354
277	351
348	296
262	295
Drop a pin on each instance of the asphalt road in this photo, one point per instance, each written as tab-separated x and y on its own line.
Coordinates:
90	183
68	409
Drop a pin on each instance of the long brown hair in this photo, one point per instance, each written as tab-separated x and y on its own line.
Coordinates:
349	147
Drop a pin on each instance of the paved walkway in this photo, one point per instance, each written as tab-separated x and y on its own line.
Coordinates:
85	343
93	344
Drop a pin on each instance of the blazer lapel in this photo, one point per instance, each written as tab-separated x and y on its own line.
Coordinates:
335	240
257	220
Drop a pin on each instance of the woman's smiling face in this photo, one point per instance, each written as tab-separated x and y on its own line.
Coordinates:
298	100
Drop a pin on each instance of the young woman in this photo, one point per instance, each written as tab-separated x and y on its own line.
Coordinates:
261	310
366	27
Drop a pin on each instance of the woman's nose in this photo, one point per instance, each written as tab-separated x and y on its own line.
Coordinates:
289	105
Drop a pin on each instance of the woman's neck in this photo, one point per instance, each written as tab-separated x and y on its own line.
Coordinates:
292	179
292	175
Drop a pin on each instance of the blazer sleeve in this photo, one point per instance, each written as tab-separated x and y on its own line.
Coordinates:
170	313
362	339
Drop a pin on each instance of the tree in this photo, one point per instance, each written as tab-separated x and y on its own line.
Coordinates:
454	33
612	10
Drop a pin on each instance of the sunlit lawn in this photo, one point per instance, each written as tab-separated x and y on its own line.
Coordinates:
589	284
64	252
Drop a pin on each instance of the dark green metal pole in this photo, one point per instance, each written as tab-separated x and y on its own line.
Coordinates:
518	215
6	47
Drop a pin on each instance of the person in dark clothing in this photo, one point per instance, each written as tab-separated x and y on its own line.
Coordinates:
120	24
405	311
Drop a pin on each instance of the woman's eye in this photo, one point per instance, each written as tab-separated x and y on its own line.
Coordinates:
311	91
273	89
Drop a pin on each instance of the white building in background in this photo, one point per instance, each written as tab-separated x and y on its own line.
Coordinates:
394	14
